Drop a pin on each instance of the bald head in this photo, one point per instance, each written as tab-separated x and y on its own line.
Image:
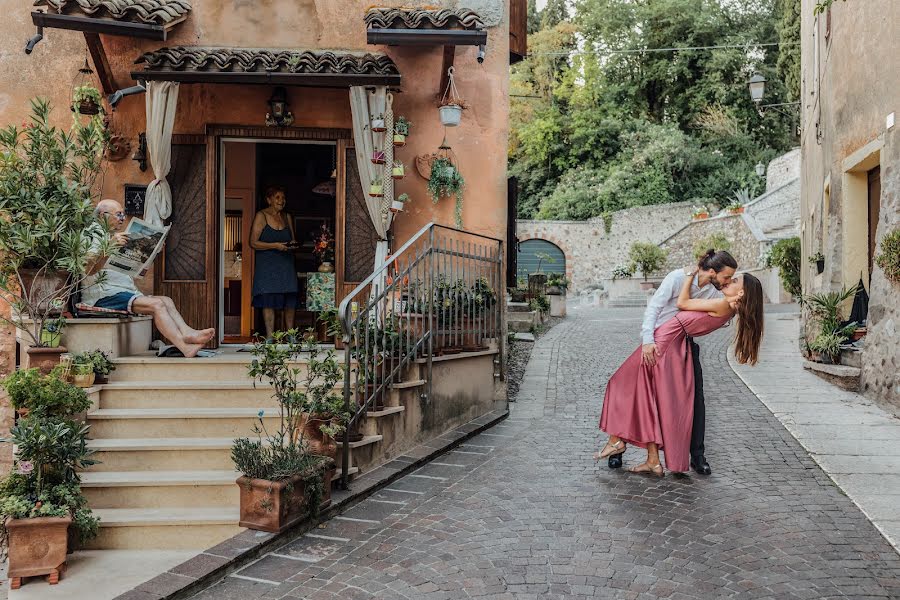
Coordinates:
112	212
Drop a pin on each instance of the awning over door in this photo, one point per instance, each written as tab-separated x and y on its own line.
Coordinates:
201	64
150	19
445	27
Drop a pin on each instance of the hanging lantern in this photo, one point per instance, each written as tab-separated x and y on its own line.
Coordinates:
86	98
279	115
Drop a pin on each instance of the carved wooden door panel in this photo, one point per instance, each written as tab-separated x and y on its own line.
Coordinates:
360	237
188	270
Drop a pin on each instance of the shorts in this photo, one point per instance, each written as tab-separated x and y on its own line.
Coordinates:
120	301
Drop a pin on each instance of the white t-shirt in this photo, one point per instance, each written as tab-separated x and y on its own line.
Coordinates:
662	306
115	281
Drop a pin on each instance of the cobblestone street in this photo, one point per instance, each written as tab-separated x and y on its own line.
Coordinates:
522	511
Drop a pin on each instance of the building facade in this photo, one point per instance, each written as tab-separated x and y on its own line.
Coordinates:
851	167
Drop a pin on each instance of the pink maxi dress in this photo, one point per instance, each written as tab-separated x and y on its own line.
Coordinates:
656	404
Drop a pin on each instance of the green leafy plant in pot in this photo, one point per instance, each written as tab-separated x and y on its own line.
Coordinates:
41	500
818	259
648	259
827	309
282	482
100	364
47	225
446	180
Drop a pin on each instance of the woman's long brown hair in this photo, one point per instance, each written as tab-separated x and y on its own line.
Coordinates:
750	321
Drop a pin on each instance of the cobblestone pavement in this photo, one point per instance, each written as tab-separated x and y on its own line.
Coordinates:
523	512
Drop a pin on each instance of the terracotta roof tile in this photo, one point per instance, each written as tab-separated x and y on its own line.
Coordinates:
150	12
399	18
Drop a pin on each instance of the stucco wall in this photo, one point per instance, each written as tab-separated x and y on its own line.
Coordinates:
844	110
591	253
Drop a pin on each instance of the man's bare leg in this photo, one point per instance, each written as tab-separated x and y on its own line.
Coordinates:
149	305
191	335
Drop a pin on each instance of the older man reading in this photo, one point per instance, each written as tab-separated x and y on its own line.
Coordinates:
117	291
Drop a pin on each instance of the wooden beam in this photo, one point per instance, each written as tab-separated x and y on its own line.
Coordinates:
101	64
449	58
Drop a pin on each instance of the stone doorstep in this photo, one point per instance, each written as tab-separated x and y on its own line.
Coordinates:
182	581
842	376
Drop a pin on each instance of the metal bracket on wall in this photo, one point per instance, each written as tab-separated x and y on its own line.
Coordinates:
140	155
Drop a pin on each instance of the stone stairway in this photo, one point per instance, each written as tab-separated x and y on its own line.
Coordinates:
163	430
520	318
629	300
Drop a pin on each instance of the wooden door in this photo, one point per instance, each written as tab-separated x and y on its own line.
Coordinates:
357	238
874	212
188	266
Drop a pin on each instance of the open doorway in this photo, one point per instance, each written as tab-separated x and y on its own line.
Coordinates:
306	174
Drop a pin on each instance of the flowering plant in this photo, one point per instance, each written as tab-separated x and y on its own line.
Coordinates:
324	247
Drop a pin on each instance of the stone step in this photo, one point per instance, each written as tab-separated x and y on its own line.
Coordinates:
159	489
161	454
229	366
199	394
520	327
189	527
840	375
521	317
177	422
517	307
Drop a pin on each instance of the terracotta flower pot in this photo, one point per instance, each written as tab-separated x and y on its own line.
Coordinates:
701	216
274	506
317	442
37	547
44	359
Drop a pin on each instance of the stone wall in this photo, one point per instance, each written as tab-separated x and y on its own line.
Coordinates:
745	246
778	210
783	169
591	252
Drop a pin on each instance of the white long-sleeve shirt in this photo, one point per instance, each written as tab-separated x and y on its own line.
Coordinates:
662	307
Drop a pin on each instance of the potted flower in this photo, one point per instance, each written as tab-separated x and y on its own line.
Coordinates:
281	481
51	334
648	258
398	171
102	365
700	213
741	199
622	272
324	417
735	208
82	373
378	157
87	100
818	259
401	130
378	123
376	188
47	180
446	180
41	503
324	249
397	203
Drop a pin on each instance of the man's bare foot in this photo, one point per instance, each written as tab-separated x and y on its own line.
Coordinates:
191	350
200	337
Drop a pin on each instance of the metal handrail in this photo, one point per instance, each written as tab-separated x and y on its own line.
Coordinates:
387	327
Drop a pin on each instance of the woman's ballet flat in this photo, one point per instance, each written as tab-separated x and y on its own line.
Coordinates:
610	449
648	469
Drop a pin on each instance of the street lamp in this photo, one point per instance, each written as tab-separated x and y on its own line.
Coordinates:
757	88
760	169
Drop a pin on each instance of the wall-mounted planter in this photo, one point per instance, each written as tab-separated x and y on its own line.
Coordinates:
820	266
396	206
398	172
378	157
376	190
378	124
399	139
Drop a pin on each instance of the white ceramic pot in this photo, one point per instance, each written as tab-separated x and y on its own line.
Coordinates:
396	206
378	125
451	115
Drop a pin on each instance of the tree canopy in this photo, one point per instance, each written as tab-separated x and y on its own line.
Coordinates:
633	102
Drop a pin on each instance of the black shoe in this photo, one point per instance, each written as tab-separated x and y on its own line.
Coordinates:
701	466
615	461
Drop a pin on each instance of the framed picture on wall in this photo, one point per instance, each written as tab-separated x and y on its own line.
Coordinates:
135	198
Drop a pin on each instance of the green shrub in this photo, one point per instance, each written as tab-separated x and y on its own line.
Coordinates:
715	241
45	395
785	255
888	260
646	258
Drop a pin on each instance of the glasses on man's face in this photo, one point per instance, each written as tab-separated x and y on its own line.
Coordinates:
119	215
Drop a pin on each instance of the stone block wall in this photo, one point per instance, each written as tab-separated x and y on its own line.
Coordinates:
591	252
778	209
745	246
783	169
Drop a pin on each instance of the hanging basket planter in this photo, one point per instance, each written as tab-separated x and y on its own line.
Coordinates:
88	107
398	171
378	124
379	157
376	190
451	104
397	204
399	139
451	115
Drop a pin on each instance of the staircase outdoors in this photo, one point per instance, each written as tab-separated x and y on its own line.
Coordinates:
629	300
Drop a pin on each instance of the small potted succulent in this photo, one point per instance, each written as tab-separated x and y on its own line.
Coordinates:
86	100
700	213
398	171
378	123
51	334
818	259
401	130
379	157
397	204
376	188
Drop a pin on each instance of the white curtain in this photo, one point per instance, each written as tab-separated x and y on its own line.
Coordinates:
364	103
162	99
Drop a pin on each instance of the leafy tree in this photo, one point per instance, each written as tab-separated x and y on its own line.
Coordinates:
785	254
646	258
788	63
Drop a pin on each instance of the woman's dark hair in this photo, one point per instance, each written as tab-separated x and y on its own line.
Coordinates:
274	189
750	321
716	261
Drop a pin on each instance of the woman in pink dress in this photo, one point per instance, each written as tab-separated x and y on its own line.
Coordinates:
653	407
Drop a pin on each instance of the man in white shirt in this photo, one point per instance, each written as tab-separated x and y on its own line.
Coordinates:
715	271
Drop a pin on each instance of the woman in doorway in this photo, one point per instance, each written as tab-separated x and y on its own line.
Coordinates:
274	275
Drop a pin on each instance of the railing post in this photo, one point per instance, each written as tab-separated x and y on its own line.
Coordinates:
345	453
431	300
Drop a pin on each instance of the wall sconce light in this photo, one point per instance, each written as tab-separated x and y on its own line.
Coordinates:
760	169
279	115
140	155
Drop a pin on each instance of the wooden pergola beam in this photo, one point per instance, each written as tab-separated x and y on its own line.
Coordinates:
101	63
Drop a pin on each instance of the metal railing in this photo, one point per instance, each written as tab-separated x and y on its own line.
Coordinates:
440	293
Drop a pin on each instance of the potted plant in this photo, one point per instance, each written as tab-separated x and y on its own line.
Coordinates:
401	130
398	203
648	258
519	293
40	500
735	208
324	417
445	180
87	100
101	365
324	249
379	157
398	171
51	334
378	123
82	373
818	259
47	178
622	272
557	284
376	189
281	481
828	346
888	260
741	199
451	112
700	213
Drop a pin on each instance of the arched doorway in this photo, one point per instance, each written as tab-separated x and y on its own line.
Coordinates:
540	254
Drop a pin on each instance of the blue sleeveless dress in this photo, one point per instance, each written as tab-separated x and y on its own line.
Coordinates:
274	277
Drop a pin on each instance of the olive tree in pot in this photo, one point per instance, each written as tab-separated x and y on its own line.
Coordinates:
648	259
282	481
47	223
44	513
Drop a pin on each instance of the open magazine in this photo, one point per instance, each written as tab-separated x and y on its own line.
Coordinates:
145	240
